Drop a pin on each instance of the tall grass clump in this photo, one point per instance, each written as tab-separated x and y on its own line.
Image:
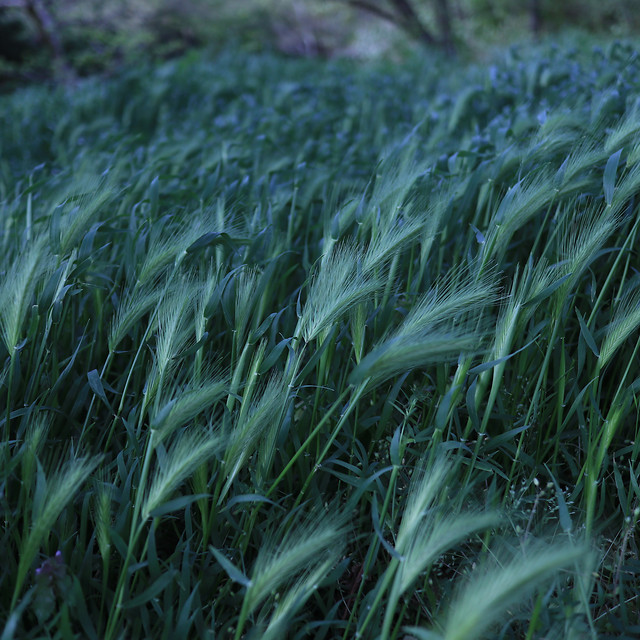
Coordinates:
296	348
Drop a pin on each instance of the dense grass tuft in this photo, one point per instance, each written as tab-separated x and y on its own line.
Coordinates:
297	349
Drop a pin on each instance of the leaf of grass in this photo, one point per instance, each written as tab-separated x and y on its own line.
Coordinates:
609	178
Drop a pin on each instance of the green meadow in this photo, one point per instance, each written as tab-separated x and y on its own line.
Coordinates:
305	349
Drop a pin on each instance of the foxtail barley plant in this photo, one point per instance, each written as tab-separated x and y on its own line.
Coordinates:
295	348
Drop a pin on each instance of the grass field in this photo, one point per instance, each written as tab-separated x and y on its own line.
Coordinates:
298	349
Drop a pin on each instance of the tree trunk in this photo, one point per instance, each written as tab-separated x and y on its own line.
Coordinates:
443	15
411	22
48	32
536	17
403	14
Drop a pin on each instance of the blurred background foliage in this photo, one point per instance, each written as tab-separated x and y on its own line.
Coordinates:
41	39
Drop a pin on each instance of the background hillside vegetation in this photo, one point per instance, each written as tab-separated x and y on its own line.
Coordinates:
62	39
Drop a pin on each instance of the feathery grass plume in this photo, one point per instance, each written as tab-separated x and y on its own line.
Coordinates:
492	591
626	320
391	238
182	405
428	484
512	321
633	157
426	532
136	303
430	539
458	293
338	284
175	328
206	285
562	121
548	146
246	298
58	492
437	208
17	288
305	547
357	327
187	452
519	205
508	321
102	516
522	303
582	159
88	197
626	130
279	389
34	439
260	421
627	187
603	103
396	174
581	237
171	248
446	322
295	598
403	352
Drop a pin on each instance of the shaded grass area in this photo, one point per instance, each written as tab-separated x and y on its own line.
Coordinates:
308	350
